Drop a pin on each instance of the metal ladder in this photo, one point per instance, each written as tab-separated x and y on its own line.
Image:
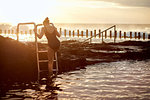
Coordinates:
39	61
55	70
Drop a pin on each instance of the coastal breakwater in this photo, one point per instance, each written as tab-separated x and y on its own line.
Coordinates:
110	33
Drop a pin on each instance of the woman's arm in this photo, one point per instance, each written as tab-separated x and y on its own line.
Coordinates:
41	33
57	33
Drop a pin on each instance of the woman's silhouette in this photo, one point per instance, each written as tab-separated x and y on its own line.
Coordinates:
50	32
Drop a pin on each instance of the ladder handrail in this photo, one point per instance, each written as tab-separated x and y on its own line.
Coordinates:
23	24
114	26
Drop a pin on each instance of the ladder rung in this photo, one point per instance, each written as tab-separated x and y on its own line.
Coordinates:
47	70
43	70
46	60
42	51
43	60
54	69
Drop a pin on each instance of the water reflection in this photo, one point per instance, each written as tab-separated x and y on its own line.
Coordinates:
117	80
33	91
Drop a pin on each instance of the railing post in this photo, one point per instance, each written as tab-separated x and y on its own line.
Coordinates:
65	32
130	35
102	38
30	31
60	32
91	33
124	35
115	33
69	33
73	33
115	36
105	34
99	33
120	35
148	36
87	33
143	36
82	34
110	34
95	33
139	35
78	33
91	36
135	35
25	32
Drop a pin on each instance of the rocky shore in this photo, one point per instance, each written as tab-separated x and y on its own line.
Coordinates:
18	60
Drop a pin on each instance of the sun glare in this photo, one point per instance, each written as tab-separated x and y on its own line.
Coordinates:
27	10
65	11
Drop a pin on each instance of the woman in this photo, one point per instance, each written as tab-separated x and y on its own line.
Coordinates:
50	32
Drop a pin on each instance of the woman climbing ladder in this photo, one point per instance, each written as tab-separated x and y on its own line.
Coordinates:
51	34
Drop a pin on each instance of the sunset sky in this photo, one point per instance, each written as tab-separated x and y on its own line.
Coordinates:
76	11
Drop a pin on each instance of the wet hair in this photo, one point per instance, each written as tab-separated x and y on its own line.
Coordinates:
46	20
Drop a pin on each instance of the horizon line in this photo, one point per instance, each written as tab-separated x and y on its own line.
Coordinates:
86	23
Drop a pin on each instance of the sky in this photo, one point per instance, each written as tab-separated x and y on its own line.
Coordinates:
76	11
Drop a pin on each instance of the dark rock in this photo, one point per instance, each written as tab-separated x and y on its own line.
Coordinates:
17	61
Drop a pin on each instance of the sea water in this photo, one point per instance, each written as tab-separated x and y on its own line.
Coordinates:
142	28
122	80
116	80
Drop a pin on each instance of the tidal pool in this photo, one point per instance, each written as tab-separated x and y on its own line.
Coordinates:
116	80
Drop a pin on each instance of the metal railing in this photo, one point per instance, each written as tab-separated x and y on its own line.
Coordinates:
114	26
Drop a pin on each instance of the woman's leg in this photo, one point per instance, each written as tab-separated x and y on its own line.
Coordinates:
50	58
